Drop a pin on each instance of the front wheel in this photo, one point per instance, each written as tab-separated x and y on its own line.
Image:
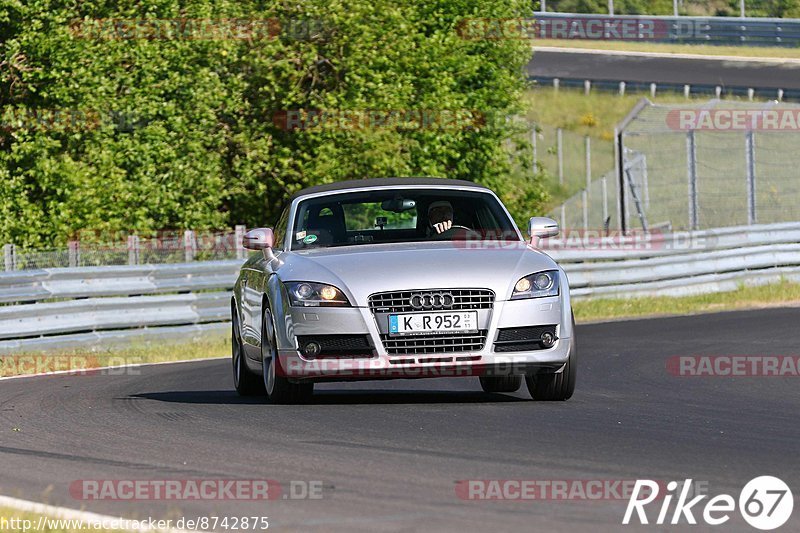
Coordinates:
246	382
556	387
279	389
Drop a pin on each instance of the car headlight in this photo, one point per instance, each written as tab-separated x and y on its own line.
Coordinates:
310	294
536	285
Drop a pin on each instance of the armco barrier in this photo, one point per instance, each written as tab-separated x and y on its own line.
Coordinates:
691	30
73	307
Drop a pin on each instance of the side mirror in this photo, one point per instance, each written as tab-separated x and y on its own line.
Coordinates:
258	239
541	228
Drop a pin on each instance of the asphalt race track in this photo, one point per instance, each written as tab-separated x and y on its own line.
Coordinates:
389	454
680	70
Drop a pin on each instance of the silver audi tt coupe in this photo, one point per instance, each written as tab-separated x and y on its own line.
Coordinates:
401	278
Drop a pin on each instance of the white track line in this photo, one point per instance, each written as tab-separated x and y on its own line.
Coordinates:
596	51
65	513
82	371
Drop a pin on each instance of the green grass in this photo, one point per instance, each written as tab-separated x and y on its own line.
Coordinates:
77	359
669	48
773	295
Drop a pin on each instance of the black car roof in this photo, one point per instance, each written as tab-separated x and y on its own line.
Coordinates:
384	182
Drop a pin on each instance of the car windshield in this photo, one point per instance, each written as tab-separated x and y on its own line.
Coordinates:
392	216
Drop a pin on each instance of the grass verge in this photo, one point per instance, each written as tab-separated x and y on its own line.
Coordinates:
773	295
669	48
78	360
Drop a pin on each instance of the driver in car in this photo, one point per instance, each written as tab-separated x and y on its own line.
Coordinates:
440	216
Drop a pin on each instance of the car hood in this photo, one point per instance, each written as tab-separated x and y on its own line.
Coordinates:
363	270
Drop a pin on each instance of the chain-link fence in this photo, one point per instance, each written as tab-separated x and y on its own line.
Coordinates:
697	166
571	160
710	165
165	247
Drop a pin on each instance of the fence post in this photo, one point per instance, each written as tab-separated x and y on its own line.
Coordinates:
189	245
560	150
10	253
605	199
750	157
74	253
619	161
588	149
585	201
239	232
133	249
691	171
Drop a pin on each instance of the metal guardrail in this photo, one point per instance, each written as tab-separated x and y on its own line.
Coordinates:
666	29
681	264
77	307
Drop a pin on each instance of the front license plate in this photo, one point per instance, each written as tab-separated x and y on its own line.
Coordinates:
418	323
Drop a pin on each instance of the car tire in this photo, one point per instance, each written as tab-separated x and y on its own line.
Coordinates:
246	382
278	388
552	386
501	383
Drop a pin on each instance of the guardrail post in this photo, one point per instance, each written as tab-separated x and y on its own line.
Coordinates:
691	171
750	157
189	245
74	253
133	249
239	232
10	253
605	200
560	150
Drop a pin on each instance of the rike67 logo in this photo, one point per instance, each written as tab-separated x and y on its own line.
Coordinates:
765	503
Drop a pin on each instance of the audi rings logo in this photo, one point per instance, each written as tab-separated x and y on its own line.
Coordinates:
434	300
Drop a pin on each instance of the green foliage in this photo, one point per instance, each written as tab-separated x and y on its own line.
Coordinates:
111	134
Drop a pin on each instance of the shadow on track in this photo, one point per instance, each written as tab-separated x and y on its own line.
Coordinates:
336	397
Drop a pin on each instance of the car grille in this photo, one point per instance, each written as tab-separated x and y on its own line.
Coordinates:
446	343
463	299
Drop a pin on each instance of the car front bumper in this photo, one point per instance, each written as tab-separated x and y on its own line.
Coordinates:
378	363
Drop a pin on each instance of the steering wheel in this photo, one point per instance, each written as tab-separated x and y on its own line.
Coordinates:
450	233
